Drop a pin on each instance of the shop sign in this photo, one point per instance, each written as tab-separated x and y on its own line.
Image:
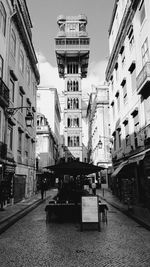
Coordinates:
9	169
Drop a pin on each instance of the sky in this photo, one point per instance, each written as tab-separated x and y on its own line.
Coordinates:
44	15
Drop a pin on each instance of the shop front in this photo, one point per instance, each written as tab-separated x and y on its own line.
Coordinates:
131	180
7	171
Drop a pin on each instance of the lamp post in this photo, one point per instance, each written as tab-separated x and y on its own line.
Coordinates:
28	118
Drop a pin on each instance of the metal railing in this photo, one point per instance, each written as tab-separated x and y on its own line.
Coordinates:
4	93
143	76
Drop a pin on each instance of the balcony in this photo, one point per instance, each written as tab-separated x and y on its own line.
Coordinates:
4	94
3	150
72	44
143	79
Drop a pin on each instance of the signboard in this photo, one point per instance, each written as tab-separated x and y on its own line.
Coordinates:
89	210
9	169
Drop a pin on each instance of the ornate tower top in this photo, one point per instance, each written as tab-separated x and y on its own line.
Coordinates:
72	25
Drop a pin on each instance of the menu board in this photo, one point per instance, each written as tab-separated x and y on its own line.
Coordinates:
90	209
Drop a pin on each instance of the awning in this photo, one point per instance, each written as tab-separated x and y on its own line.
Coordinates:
119	168
74	168
138	157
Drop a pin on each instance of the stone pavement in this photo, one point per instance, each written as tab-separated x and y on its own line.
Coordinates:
13	213
139	214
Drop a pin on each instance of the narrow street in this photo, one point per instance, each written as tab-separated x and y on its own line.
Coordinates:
32	242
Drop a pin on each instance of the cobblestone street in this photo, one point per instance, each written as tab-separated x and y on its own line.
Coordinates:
32	242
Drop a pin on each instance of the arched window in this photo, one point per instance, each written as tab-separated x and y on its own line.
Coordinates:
74	86
2	19
68	86
68	103
76	103
68	140
77	86
76	71
68	122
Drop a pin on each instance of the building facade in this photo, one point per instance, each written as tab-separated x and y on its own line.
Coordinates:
46	149
48	104
20	75
99	141
128	75
72	53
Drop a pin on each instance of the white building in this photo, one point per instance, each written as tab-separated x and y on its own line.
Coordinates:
21	76
48	104
128	73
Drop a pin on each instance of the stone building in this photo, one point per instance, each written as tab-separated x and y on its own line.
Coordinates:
128	73
19	77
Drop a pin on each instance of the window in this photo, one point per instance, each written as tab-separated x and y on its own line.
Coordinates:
119	137
73	141
12	89
10	137
21	100
116	71
13	43
136	130
113	109
122	53
145	52
114	140
26	147
127	136
21	61
118	100
142	12
72	68
132	70
19	141
124	87
131	36
1	67
73	103
2	19
112	82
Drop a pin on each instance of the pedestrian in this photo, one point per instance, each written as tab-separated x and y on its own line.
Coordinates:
94	188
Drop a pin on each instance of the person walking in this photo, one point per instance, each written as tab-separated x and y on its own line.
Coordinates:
94	188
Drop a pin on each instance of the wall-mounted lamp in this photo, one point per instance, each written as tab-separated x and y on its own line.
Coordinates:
28	118
104	137
100	144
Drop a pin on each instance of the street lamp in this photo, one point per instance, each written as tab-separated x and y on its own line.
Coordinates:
100	144
28	118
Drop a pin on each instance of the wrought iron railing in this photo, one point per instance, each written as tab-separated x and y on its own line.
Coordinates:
143	76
